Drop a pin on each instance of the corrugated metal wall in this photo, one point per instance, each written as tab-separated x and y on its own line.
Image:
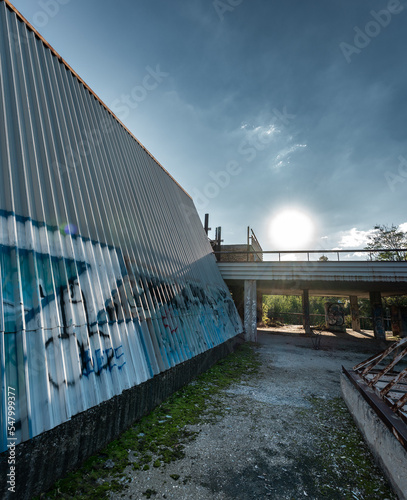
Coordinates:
107	277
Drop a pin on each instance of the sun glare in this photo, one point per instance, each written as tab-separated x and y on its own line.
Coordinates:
291	230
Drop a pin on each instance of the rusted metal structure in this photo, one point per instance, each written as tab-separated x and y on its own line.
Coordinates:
375	392
382	380
107	276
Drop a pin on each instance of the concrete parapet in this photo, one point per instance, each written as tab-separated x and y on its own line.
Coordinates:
388	452
42	460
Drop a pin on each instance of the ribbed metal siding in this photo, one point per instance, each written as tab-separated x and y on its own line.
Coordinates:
107	275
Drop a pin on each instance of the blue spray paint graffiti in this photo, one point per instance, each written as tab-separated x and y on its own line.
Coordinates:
79	324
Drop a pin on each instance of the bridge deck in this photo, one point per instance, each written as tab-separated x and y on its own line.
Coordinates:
321	278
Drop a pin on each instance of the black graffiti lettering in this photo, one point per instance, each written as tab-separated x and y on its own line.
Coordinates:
65	334
49	342
53	383
85	307
82	358
117	306
110	311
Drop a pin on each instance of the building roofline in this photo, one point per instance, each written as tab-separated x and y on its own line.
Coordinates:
62	60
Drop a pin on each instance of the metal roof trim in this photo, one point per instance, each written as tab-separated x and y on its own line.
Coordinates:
62	60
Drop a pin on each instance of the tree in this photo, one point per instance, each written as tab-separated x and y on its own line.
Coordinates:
323	258
288	308
387	237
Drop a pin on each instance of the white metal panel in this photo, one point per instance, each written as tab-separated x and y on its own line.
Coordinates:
107	277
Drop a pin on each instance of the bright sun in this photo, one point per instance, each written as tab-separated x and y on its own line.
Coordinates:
291	230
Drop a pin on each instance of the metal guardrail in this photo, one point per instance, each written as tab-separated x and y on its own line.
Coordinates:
254	243
309	252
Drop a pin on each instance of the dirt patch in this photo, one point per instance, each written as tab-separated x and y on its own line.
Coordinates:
283	433
348	335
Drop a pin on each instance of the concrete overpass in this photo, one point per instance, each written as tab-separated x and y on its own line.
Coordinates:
365	279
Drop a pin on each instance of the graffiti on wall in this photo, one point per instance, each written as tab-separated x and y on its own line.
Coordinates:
335	316
79	323
378	323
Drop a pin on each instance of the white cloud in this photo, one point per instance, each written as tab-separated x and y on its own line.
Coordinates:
283	157
354	256
289	256
355	238
260	133
359	239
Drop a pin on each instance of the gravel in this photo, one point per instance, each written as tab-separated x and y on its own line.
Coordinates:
283	433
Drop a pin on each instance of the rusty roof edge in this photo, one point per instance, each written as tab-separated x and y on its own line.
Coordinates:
392	421
62	60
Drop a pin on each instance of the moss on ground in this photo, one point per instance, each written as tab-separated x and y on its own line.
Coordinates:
158	438
336	464
343	466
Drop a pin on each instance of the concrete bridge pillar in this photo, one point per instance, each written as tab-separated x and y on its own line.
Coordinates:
395	318
305	311
377	315
250	310
354	310
399	320
259	306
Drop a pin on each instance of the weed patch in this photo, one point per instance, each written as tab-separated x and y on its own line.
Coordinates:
343	464
159	437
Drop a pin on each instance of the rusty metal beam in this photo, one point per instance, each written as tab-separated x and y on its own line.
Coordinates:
388	367
393	382
389	385
373	361
392	421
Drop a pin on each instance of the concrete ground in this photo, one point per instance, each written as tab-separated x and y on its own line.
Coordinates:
283	434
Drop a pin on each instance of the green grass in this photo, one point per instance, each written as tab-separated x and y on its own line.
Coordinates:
343	466
336	464
158	438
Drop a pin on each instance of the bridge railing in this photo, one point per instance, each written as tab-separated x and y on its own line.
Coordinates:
360	253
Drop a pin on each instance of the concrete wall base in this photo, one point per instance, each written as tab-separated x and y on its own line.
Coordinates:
51	455
388	452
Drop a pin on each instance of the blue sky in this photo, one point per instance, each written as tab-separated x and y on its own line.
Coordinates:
255	106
